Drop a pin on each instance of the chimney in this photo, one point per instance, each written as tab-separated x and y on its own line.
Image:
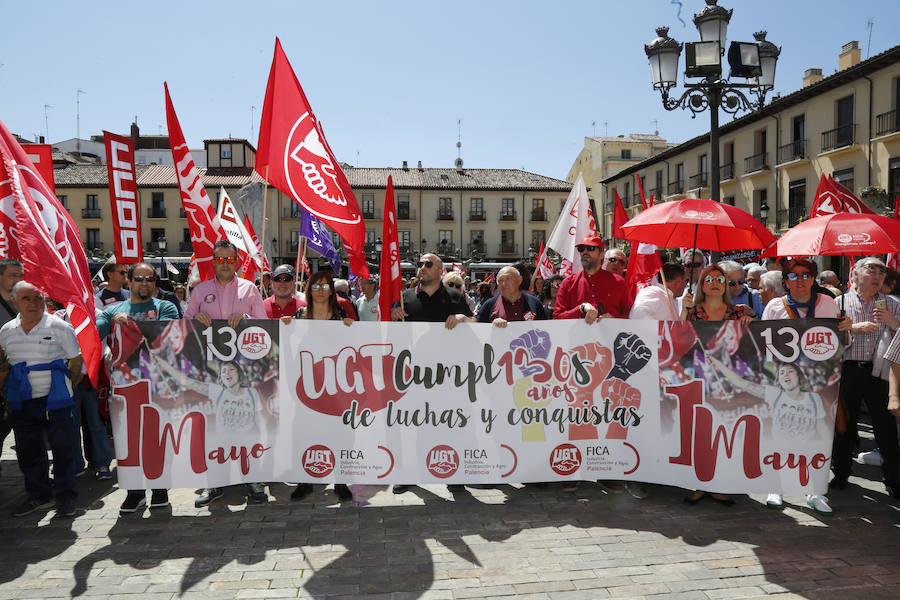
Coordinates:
811	76
849	56
405	166
420	166
135	133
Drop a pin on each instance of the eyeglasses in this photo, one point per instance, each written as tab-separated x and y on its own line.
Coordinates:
140	278
800	276
425	263
735	282
876	269
454	285
319	287
584	248
225	259
283	279
615	261
714	279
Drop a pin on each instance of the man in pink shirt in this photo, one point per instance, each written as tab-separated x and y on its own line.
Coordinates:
225	296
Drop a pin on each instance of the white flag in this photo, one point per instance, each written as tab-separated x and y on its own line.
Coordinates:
233	224
170	267
575	222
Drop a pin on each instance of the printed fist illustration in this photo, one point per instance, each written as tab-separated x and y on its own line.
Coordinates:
631	355
537	344
597	360
621	395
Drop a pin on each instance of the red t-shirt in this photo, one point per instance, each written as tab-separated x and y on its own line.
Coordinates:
273	311
602	289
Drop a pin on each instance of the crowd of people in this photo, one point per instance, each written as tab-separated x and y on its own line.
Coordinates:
47	401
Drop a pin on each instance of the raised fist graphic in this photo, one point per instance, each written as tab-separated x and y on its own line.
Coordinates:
631	354
537	344
620	394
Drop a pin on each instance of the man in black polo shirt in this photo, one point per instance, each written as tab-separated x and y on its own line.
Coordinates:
431	301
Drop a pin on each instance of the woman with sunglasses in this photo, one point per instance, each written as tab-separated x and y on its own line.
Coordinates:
454	281
322	305
548	293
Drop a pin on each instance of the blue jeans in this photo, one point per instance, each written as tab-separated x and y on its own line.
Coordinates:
100	452
32	423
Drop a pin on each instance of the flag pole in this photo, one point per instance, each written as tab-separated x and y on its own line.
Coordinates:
265	198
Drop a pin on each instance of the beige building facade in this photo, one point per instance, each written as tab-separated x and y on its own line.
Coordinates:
845	125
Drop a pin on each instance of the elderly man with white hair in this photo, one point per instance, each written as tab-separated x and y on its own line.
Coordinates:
753	273
771	286
510	304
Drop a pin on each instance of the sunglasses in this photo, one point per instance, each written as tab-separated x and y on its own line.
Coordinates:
220	260
140	278
876	269
615	261
283	279
733	283
319	287
800	276
455	285
696	265
425	263
584	247
714	279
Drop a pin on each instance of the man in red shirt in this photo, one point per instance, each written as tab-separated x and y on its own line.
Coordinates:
593	293
284	301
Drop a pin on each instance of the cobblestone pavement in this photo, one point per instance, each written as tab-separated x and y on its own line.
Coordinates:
521	541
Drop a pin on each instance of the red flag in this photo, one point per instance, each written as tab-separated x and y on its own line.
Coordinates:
620	217
675	339
728	337
126	220
42	157
650	204
390	282
832	197
641	190
294	157
50	246
202	220
642	268
537	263
250	267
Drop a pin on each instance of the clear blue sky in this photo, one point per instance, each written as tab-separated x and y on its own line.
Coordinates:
390	79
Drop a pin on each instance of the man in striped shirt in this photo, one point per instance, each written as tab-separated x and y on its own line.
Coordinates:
874	315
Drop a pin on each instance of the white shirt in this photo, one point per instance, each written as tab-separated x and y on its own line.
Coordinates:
655	302
368	309
50	339
826	308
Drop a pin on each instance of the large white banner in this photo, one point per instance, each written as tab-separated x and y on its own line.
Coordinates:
720	407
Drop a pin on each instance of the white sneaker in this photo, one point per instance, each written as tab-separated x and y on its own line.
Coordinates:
819	504
774	501
870	458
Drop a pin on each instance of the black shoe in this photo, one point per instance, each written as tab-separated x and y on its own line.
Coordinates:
400	489
208	496
29	506
302	491
838	483
66	508
343	492
133	501
456	487
256	493
159	499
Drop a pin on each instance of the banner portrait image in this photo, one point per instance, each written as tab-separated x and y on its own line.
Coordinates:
712	405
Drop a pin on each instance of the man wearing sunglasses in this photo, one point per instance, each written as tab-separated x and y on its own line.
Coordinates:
141	306
738	290
225	296
876	319
614	261
592	293
693	263
116	276
284	301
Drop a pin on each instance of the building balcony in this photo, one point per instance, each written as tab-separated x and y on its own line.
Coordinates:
795	150
675	188
754	163
292	247
887	123
156	212
372	214
293	212
405	213
726	172
839	137
636	199
181	213
93	245
90	213
538	215
185	246
478	247
508	249
698	181
445	215
653	192
508	215
446	248
477	215
791	216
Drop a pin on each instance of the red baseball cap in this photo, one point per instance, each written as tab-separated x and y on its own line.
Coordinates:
592	239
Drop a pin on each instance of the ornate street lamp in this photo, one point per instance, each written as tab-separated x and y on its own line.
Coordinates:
753	61
161	246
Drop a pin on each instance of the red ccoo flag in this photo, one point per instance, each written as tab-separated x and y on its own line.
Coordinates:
49	245
294	156
390	282
641	190
831	197
620	217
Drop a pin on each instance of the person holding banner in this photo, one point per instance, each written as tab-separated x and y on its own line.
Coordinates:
38	384
875	318
511	304
11	273
142	305
367	303
226	296
593	293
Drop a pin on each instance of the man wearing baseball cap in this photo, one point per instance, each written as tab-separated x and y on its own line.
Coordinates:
593	292
284	301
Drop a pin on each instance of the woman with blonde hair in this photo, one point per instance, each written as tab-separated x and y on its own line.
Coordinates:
454	280
711	301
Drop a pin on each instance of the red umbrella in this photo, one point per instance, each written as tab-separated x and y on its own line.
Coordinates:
698	223
839	233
